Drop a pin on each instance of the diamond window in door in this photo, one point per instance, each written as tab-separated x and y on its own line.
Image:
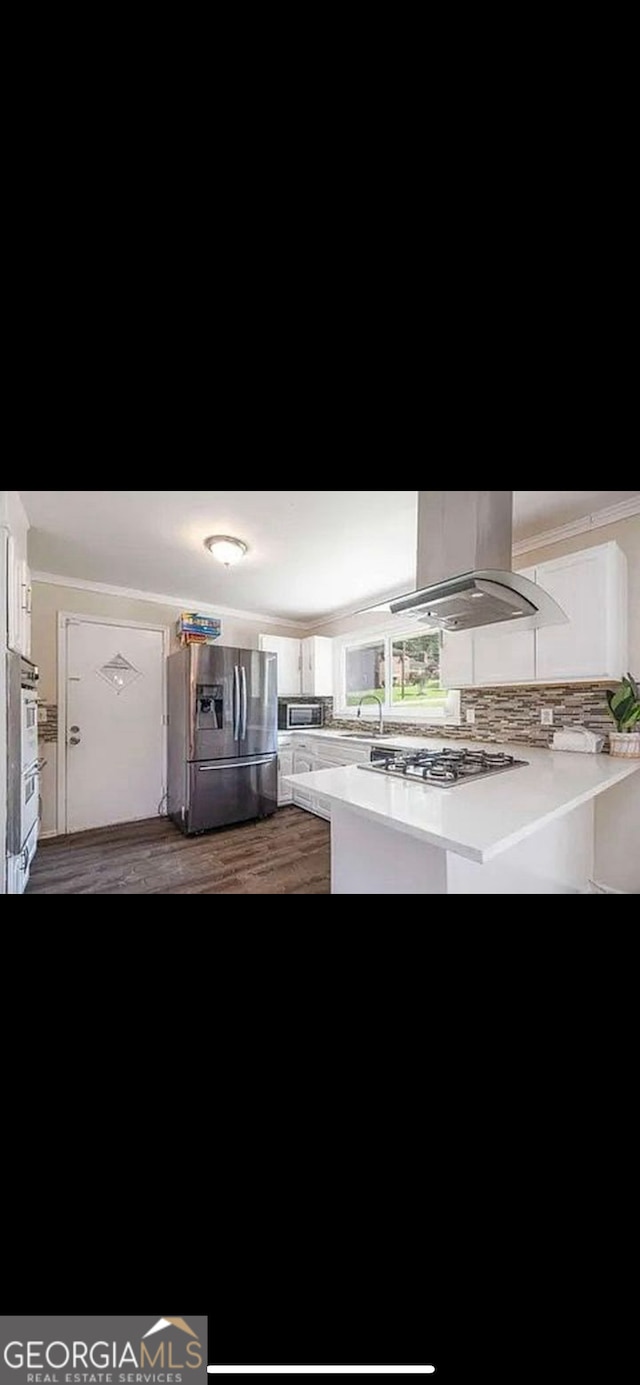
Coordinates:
119	673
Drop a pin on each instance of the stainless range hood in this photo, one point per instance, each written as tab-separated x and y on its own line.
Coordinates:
464	575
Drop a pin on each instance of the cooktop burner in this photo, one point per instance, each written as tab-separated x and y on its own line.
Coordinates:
445	767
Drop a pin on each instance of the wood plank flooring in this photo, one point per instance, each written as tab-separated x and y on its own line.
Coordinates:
288	853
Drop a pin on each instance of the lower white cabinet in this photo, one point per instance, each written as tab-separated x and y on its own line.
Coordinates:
322	754
285	767
303	761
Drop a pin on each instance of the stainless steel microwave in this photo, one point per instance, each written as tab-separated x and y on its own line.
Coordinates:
299	716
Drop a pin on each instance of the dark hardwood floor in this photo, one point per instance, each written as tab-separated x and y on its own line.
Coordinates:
285	854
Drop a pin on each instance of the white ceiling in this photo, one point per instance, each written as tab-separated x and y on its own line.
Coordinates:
311	553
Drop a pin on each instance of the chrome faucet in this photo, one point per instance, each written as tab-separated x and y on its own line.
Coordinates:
372	697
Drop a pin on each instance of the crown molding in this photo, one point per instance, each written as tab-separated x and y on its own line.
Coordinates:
598	520
371	609
180	603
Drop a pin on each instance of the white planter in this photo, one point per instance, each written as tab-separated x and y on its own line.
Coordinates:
625	743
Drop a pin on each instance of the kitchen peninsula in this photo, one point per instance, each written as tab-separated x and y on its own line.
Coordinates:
529	831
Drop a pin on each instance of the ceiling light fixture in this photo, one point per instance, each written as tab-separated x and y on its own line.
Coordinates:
226	549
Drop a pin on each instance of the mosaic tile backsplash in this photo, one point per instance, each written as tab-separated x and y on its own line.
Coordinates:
502	714
48	730
513	714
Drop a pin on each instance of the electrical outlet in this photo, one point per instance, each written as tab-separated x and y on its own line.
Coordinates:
546	716
471	716
42	715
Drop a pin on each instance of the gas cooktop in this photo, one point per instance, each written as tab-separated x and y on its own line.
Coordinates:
443	768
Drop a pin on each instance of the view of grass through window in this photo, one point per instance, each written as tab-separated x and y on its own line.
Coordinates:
414	674
416	670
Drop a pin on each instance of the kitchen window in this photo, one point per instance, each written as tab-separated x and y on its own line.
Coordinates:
403	670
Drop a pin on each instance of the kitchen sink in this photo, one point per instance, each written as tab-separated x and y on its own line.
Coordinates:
362	735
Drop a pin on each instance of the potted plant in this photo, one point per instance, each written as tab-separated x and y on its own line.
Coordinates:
624	705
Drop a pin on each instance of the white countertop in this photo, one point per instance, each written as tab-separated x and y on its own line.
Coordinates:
360	738
476	820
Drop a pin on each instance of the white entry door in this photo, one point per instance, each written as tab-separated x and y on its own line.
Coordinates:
114	733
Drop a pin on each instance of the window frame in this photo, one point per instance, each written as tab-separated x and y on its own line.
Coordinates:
447	713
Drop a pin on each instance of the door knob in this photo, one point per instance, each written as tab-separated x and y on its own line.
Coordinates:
74	740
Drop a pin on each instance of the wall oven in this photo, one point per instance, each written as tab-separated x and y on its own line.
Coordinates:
29	728
29	802
299	716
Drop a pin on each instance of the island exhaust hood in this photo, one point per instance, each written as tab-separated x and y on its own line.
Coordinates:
464	575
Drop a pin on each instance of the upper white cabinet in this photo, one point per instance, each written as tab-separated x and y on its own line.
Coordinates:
456	659
317	666
591	588
14	519
305	667
288	651
502	654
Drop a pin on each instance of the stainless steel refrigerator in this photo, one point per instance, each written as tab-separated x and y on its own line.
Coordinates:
223	736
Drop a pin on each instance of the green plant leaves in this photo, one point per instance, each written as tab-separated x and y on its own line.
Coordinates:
634	686
624	704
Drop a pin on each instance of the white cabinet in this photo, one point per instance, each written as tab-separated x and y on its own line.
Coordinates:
285	767
317	666
504	654
305	667
303	761
288	651
303	764
13	517
319	753
591	588
24	615
456	659
14	622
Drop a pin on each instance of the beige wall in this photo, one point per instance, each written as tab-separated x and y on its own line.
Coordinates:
49	599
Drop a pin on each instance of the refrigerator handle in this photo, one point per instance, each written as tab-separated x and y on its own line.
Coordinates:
236	764
243	734
236	703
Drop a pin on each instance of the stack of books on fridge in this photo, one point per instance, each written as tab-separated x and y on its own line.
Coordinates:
192	628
